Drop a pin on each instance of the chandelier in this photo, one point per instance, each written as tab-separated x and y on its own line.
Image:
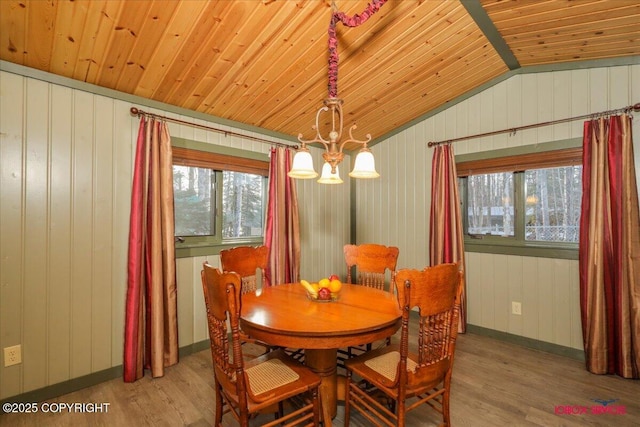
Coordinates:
364	165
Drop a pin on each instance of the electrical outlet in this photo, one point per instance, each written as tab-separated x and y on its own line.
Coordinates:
516	308
12	355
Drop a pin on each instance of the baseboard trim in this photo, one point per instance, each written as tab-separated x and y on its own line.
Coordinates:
194	348
85	381
75	384
560	350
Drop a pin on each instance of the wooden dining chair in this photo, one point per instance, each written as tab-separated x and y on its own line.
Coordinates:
246	389
250	262
411	379
371	262
246	261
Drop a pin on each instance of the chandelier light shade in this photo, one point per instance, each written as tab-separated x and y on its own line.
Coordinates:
302	167
333	143
329	177
365	165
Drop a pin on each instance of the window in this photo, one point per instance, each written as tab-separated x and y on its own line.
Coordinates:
490	204
552	201
243	196
219	199
526	204
195	202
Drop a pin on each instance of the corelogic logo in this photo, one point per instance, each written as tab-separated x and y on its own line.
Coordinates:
602	407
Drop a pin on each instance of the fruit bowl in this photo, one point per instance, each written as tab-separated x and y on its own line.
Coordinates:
324	290
315	298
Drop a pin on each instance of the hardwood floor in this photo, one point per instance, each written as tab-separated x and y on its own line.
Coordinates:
494	384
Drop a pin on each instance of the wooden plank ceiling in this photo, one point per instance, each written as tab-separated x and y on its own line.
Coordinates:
264	63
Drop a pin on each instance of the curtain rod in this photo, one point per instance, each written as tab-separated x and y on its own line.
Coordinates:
635	107
137	112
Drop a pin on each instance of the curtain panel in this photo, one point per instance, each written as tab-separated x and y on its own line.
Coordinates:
609	251
282	234
151	326
446	237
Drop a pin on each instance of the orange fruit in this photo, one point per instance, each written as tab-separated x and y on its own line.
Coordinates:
335	285
315	287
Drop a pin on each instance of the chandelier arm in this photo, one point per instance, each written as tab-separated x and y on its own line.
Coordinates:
352	139
318	137
341	117
320	110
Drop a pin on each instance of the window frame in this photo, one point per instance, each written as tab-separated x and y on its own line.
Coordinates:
219	158
517	160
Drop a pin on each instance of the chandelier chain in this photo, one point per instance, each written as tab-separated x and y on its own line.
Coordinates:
349	21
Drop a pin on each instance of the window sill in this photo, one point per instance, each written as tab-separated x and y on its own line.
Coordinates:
522	249
190	250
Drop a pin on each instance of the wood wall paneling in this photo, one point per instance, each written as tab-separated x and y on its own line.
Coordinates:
502	303
561	295
185	274
515	102
12	244
485	279
35	232
324	222
200	326
514	293
546	299
82	166
499	115
59	236
472	289
102	310
574	304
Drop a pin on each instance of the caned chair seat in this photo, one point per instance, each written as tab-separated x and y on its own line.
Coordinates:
411	379
268	375
247	388
387	364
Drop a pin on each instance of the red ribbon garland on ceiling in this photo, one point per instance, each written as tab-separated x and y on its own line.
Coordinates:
349	21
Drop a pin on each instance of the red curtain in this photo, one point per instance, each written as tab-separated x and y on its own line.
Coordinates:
151	330
282	234
446	240
609	253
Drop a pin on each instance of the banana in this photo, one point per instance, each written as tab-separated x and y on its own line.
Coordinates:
308	287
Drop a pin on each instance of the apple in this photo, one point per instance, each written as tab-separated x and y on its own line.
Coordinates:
334	277
324	294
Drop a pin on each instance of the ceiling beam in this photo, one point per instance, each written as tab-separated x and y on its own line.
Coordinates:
479	15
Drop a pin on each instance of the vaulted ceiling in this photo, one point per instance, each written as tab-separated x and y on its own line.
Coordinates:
264	63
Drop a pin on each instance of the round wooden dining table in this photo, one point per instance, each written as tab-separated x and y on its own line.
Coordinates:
283	315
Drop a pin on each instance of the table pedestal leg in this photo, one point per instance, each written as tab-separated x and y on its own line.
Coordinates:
323	362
